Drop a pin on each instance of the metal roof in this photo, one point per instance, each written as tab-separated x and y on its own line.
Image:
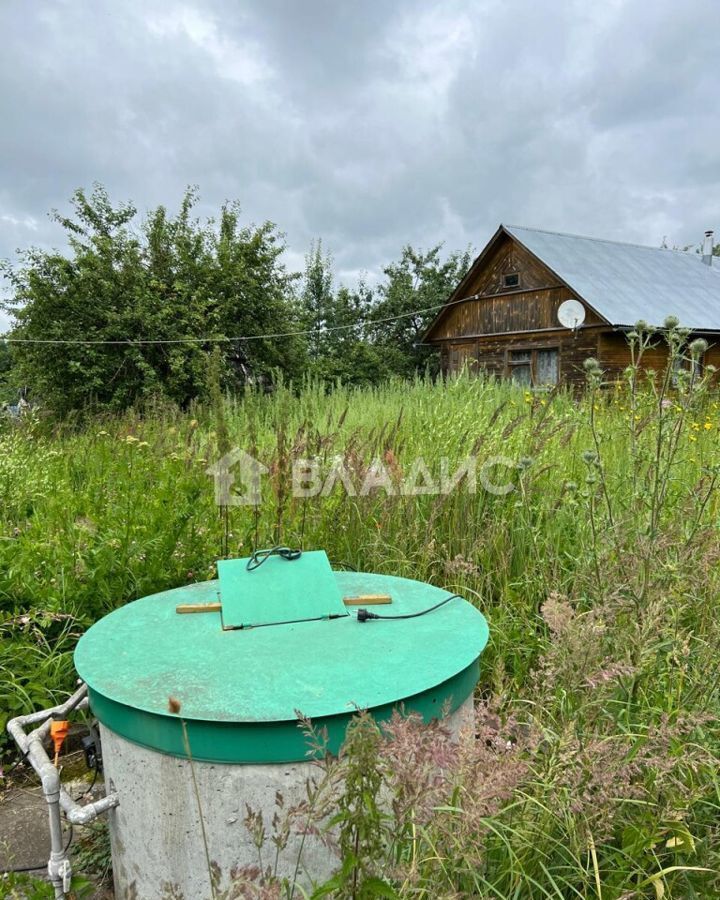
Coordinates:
627	282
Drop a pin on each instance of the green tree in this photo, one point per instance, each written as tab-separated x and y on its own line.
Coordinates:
7	388
317	300
351	355
361	336
339	344
167	279
417	281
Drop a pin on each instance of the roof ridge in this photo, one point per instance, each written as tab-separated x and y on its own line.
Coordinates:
585	237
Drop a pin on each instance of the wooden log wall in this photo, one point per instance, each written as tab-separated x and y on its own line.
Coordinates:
491	354
529	307
481	333
520	311
614	354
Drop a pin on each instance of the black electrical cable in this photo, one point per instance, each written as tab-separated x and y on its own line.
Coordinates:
261	556
327	618
20	759
92	785
345	565
17	870
363	615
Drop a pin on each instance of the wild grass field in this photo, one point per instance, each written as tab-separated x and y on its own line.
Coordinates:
595	769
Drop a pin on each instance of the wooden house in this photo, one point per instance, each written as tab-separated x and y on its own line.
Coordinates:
503	316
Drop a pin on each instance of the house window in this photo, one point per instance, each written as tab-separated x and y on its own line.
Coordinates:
511	280
687	364
534	368
520	363
546	367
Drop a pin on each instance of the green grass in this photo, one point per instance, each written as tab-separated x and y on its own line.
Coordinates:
598	574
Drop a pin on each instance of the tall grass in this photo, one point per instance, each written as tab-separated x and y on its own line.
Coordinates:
598	574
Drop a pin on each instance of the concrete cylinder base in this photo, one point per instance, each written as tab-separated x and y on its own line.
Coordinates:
156	835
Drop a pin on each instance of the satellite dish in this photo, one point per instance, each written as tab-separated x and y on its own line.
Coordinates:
571	314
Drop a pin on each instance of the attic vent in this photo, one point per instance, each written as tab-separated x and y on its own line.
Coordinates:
511	280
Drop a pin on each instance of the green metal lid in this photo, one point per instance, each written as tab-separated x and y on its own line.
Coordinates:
278	591
240	691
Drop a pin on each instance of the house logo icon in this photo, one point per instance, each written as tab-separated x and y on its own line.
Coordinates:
237	465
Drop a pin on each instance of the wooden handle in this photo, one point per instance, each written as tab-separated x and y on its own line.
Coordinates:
198	607
368	600
362	600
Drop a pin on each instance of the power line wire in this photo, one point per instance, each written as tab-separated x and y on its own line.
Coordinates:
229	340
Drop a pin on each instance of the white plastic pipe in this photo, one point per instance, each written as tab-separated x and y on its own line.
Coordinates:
32	747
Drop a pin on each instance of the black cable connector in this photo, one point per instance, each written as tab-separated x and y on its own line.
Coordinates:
364	615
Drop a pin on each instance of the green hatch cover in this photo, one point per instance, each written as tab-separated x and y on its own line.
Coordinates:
278	591
241	691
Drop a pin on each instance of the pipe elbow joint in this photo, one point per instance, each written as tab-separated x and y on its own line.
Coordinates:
50	779
81	815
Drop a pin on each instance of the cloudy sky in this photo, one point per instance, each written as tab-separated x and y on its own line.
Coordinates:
370	124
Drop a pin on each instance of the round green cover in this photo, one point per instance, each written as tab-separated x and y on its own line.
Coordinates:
240	692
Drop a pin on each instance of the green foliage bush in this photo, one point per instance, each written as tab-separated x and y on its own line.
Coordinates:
168	279
134	308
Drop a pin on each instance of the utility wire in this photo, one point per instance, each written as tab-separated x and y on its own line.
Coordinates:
230	340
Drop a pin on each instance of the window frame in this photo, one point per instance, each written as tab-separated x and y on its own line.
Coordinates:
511	287
533	350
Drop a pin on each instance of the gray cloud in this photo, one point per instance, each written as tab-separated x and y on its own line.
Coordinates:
367	124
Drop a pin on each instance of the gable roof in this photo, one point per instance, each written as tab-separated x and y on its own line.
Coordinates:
627	282
621	282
